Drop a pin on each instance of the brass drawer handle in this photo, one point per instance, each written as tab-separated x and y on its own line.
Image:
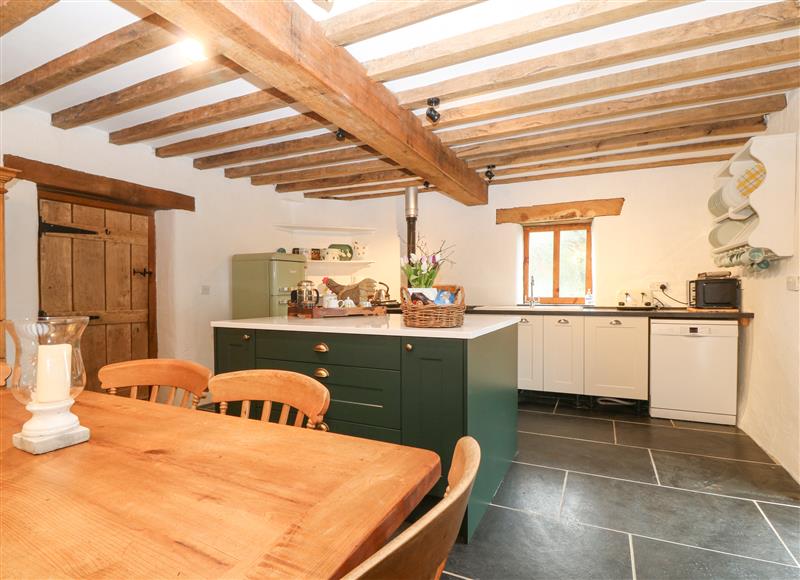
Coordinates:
322	373
523	321
615	322
245	337
563	321
321	347
409	347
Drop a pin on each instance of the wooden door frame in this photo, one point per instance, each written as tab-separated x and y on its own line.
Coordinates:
52	194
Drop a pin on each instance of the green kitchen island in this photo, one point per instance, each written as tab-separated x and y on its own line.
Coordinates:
424	387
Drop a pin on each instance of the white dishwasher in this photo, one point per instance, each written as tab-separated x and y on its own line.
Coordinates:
693	370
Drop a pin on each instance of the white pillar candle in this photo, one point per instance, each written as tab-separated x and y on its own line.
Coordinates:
53	372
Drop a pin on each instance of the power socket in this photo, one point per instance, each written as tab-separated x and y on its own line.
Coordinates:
659	286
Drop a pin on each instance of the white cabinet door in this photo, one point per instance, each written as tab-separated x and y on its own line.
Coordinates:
616	356
529	354
563	354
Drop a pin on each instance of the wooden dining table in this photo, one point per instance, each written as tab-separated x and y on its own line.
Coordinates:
165	492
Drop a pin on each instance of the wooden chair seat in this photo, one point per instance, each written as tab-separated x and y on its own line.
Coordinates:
308	397
172	375
421	551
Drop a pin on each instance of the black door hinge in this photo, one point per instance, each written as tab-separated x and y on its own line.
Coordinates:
46	228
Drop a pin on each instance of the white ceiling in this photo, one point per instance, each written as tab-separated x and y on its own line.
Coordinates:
73	23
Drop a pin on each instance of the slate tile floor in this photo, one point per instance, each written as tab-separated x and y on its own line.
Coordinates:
604	493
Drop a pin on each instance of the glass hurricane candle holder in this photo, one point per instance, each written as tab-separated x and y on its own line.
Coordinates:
47	375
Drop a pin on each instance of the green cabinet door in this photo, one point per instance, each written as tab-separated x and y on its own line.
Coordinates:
433	397
234	350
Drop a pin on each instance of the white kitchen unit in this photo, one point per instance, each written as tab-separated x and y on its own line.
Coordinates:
693	370
616	356
530	361
563	354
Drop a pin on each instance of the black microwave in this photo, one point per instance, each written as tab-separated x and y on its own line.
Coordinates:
715	293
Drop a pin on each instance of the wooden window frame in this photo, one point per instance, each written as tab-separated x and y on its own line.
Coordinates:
556	229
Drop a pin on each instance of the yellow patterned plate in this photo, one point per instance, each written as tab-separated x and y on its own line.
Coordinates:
751	179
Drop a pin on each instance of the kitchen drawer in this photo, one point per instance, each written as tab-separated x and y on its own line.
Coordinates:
358	395
365	431
234	350
378	352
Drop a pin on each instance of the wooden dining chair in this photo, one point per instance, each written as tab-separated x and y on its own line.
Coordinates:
161	375
308	397
420	552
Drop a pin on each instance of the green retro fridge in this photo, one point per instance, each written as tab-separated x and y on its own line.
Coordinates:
262	283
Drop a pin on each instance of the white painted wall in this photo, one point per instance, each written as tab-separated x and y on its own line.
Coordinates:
660	236
769	396
193	248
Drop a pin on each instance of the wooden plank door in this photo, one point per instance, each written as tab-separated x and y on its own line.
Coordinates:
105	275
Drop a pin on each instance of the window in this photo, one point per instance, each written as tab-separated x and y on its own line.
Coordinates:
557	267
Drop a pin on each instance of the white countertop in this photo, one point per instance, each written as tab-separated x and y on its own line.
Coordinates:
475	325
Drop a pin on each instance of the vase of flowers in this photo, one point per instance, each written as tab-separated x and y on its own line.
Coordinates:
422	267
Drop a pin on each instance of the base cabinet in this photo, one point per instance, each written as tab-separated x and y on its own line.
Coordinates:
563	354
530	356
616	357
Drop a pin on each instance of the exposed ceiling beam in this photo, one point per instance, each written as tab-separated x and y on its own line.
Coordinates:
324	4
272	150
351	26
729	61
745	127
361	168
133	41
377	18
227	110
577	141
754	56
738	87
390	175
628	155
308	161
717	29
693	116
16	12
173	84
540	26
363	188
615	169
285	47
257	132
394	193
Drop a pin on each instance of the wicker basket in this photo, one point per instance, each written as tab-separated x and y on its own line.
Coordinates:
434	315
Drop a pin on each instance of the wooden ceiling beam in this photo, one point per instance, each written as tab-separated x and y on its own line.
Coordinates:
390	175
307	161
734	88
273	150
364	167
709	31
615	169
742	24
364	188
15	12
285	47
97	185
625	156
394	193
745	127
351	26
257	132
200	75
133	41
729	61
540	26
380	17
234	108
668	120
